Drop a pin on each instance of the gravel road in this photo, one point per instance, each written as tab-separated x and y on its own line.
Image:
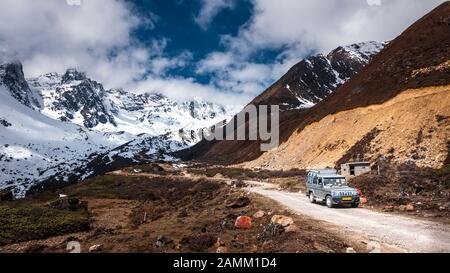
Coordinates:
409	234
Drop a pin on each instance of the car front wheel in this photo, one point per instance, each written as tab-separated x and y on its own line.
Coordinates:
329	201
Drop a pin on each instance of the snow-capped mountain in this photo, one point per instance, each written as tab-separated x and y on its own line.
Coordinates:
314	78
307	83
73	97
58	129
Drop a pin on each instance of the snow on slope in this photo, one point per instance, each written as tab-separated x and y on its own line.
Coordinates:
316	77
74	97
75	129
34	146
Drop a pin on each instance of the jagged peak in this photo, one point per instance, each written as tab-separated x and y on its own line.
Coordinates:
72	74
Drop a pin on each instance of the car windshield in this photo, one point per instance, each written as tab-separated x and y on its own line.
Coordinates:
334	181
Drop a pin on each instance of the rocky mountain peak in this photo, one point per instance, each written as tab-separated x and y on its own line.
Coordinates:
12	77
314	78
73	75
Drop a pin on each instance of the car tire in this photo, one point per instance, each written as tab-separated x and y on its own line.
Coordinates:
329	201
355	205
311	198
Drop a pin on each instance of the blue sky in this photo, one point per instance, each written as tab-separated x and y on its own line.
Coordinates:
225	51
176	22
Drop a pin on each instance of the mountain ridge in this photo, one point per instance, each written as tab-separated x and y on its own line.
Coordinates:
59	129
417	60
303	86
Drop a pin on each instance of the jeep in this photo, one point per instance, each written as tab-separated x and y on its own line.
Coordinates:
327	185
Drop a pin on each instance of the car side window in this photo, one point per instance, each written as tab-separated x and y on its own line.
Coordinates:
315	180
320	181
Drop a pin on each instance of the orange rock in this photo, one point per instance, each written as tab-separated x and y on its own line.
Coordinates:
243	222
363	200
282	220
410	207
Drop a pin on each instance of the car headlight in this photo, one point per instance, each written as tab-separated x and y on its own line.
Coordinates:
335	193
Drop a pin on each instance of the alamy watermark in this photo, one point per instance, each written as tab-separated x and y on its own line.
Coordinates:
252	123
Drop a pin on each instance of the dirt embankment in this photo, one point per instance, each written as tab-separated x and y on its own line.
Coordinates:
411	127
162	213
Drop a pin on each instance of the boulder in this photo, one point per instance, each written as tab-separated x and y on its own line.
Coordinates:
228	222
350	250
95	248
71	204
363	200
240	202
388	208
410	207
243	222
162	241
222	249
6	194
282	220
402	208
259	214
271	230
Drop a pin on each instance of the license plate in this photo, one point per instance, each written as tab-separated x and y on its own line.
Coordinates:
347	199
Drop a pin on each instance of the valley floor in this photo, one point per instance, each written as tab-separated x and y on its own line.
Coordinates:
194	208
171	212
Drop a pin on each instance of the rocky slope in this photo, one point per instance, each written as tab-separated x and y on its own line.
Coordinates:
397	108
304	85
12	79
316	77
75	98
417	60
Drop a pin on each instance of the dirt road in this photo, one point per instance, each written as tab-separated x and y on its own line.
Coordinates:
386	231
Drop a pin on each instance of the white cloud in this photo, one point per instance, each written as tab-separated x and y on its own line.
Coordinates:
96	37
159	65
209	9
186	88
323	25
52	35
300	27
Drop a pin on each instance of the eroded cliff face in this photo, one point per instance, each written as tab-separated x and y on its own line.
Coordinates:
412	127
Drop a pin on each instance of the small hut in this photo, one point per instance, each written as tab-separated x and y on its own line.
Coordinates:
352	169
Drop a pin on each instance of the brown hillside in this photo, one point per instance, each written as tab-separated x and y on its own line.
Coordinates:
394	129
418	58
